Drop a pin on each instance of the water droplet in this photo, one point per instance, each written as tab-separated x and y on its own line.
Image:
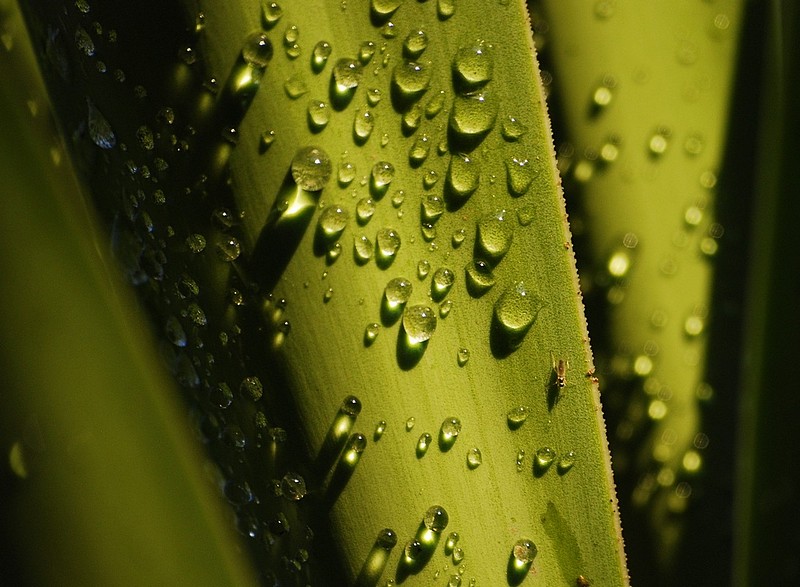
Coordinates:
271	13
436	519
520	459
432	208
295	87
267	138
382	175
419	150
365	208
520	176
451	542
415	43
371	333
84	42
480	277
311	168
347	173
694	145
472	68
363	249
326	297
412	551
221	395
494	235
458	237
347	75
410	424
229	249
419	323
388	242
363	124
512	129
332	222
293	486
318	115
430	179
517	416
351	407
99	128
423	267
474	460
619	263
353	449
445	8
257	50
252	388
411	79
196	243
443	279
566	462
543	459
145	137
388	31
365	52
525	215
462	356
515	312
435	104
463	177
522	555
319	55
380	428
445	308
448	433
398	291
659	142
423	444
411	119
382	10
472	117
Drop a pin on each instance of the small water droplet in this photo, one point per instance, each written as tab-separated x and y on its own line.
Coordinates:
448	433
381	176
295	87
388	241
319	115
332	222
419	323
380	428
326	297
430	179
293	486
319	55
543	459
382	10
365	208
423	444
419	150
436	519
694	145
520	459
363	124
221	396
411	119
257	50
266	139
196	243
445	308
271	13
99	128
365	52
463	177
435	104
412	551
566	462
494	235
474	460
462	356
371	333
311	168
525	215
443	279
423	267
347	173
410	424
363	249
659	142
522	554
445	8
229	249
512	129
517	416
252	388
472	68
520	176
398	291
415	43
451	542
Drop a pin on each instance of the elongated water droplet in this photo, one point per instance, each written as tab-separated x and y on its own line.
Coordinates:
474	458
388	241
435	104
196	243
472	68
419	323
363	249
436	519
410	423
515	312
494	235
448	433
463	177
353	450
363	124
430	179
382	175
520	176
371	333
365	52
443	279
99	128
451	542
480	277
365	208
332	222
411	119
522	554
445	308
311	168
462	356
252	388
295	87
423	267
423	444
319	114
517	416
319	55
419	150
520	459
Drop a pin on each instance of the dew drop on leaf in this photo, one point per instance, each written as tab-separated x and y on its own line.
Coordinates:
311	168
419	323
436	519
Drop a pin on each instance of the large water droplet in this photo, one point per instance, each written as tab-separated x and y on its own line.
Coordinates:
398	291
311	168
474	458
443	279
410	80
513	129
382	175
346	75
522	554
293	486
382	10
472	117
423	444
515	312
229	249
517	416
432	208
436	519
415	43
363	124
463	177
472	68
419	323
365	208
257	50
494	235
388	241
332	221
319	115
363	249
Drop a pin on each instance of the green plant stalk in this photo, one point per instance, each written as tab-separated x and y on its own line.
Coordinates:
569	513
102	482
649	216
